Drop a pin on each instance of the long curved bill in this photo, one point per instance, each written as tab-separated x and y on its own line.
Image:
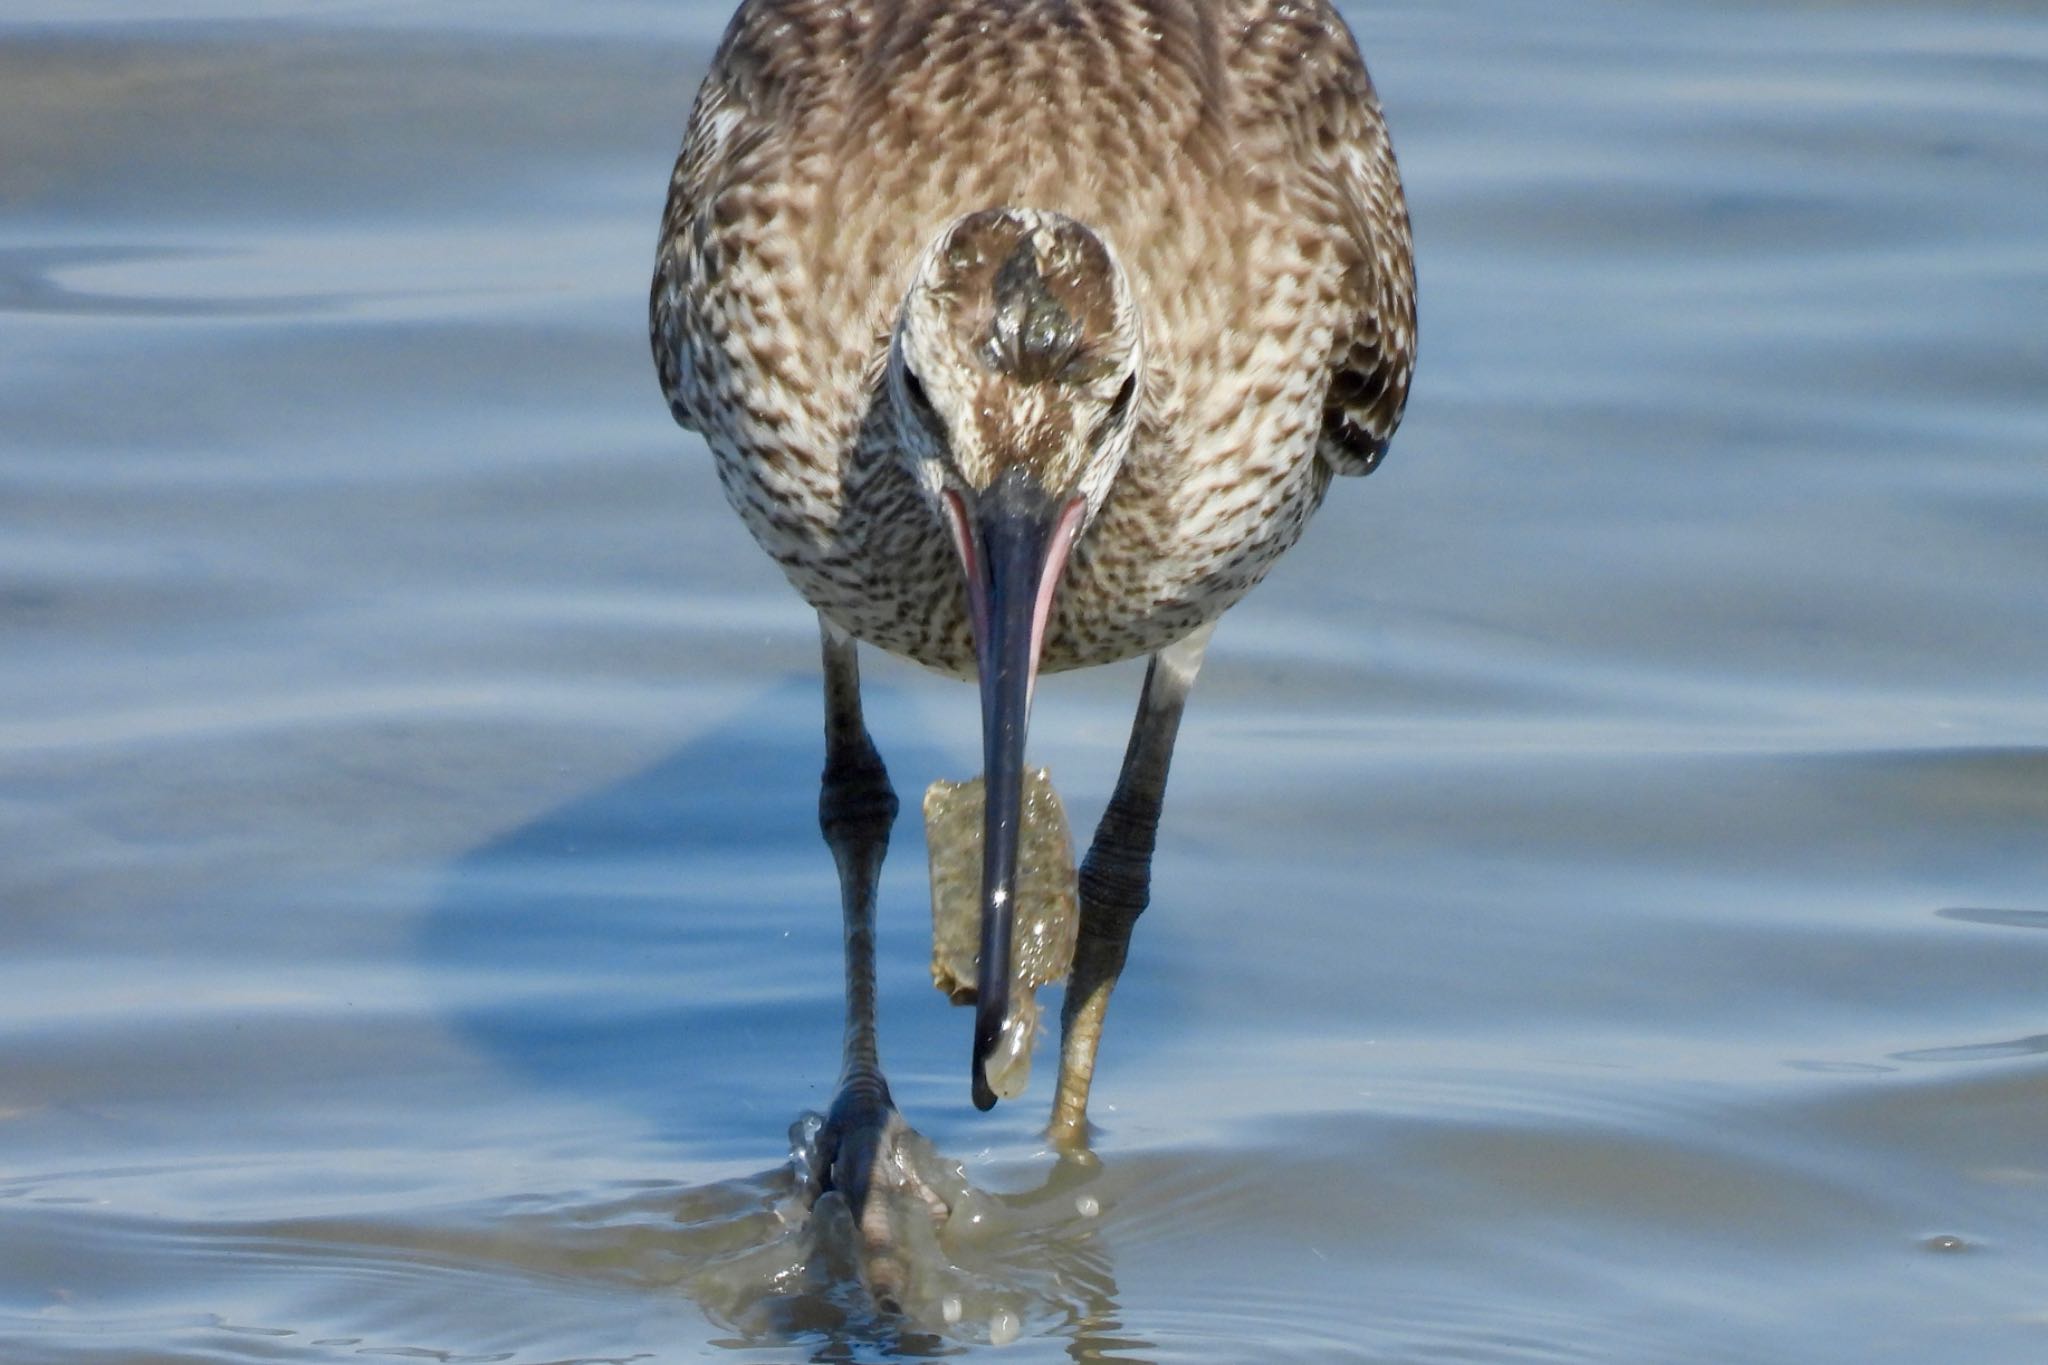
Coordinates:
1013	552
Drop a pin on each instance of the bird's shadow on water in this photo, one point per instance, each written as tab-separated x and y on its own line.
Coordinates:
665	944
668	946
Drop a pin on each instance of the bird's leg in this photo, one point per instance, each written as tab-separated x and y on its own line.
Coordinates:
856	810
1116	878
859	1152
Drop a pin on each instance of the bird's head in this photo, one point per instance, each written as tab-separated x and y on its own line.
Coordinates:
1014	375
1017	356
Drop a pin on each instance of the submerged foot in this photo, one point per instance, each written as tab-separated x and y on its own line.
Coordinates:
781	1257
896	1190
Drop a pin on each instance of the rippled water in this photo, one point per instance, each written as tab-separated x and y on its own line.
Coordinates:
1600	914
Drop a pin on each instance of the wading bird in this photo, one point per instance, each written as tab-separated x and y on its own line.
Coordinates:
1027	334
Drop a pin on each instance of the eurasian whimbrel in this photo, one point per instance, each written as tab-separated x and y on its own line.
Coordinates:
1027	334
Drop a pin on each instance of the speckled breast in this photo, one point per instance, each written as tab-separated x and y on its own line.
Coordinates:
1174	546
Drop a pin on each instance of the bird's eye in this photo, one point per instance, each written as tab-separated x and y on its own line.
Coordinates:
1120	406
920	401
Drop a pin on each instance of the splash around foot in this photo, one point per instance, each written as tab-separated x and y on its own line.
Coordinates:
928	1264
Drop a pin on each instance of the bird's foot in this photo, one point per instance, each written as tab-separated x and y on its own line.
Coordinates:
895	1189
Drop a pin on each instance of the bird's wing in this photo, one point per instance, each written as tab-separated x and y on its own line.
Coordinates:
730	120
1372	353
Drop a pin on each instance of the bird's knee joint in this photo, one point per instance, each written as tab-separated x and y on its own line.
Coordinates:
859	822
1126	835
857	802
1114	892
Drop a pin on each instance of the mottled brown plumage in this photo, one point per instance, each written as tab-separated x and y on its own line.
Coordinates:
1230	160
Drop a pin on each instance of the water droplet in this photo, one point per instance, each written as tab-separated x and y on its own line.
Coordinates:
1945	1242
949	1308
1087	1206
1004	1327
